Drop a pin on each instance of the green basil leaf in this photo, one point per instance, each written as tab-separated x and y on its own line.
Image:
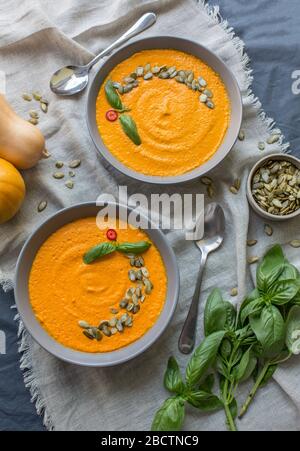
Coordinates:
208	383
270	268
98	251
233	407
283	291
292	339
289	272
170	416
269	329
130	128
214	313
134	248
251	308
172	379
203	358
112	96
230	315
204	401
296	299
246	366
225	348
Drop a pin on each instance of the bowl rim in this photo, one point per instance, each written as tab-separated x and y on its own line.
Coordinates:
80	358
219	155
256	166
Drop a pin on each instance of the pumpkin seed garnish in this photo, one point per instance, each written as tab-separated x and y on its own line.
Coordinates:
273	138
37	96
74	164
147	68
210	191
268	230
139	71
179	79
131	275
33	121
27	97
113	321
71	174
251	243
33	114
295	243
202	82
241	135
206	180
113	330
69	184
106	331
44	107
203	98
234	190
98	335
59	164
123	303
103	324
261	145
136	309
42	205
155	70
88	334
46	154
119	326
83	324
148	76
234	292
58	175
252	260
210	104
114	311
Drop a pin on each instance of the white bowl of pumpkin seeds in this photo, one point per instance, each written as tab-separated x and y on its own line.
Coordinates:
273	188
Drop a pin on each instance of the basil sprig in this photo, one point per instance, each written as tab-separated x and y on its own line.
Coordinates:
102	249
130	128
112	96
251	342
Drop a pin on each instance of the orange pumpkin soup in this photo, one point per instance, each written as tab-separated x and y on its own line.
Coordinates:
181	123
64	290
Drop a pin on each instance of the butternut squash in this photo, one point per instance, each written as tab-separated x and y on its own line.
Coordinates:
21	143
12	190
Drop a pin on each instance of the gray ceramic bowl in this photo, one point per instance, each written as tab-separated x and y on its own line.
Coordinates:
264	214
167	42
33	326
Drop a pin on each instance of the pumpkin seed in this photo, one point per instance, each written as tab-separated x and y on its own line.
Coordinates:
123	303
98	335
164	75
74	164
139	71
106	331
241	135
44	107
119	326
112	322
88	334
251	243
133	75
46	154
252	260
233	190
145	272
136	309
71	173
147	68
273	138
128	80
33	121
124	318
261	145
27	97
148	286
148	76
295	243
59	164
203	98
42	205
83	324
138	292
129	307
33	114
210	191
121	89
237	183
208	93
131	275
103	324
202	82
37	96
268	230
117	85
155	70
113	330
69	184
206	180
210	104
129	321
142	299
58	175
234	292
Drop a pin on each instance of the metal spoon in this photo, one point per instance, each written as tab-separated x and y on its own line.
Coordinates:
214	228
70	80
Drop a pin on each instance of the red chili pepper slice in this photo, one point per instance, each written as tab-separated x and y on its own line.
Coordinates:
111	115
111	234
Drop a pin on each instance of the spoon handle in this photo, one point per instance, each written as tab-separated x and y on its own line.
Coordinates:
187	337
142	24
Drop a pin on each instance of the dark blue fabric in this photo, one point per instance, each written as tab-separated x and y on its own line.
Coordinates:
271	32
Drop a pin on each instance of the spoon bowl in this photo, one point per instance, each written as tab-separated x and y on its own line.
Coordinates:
214	228
69	80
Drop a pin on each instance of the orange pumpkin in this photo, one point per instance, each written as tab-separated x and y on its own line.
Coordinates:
12	190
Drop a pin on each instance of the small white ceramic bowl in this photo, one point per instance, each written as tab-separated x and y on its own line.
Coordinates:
34	327
264	214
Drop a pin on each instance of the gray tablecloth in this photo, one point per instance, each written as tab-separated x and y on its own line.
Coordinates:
271	34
